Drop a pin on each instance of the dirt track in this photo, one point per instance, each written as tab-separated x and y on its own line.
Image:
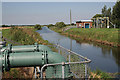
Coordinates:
16	26
4	28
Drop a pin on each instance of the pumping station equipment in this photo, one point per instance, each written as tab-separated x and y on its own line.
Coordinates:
32	56
102	22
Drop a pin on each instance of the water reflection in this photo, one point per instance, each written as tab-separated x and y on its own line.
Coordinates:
107	50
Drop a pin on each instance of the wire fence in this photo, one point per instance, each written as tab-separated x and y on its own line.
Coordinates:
76	66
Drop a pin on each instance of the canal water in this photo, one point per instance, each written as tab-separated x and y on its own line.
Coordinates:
103	57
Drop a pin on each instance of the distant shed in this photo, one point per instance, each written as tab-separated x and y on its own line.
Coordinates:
84	24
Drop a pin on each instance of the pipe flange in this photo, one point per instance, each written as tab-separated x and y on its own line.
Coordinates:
44	57
36	47
5	60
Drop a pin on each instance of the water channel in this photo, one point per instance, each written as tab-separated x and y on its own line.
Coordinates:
103	57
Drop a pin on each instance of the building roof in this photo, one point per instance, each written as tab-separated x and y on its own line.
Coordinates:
84	21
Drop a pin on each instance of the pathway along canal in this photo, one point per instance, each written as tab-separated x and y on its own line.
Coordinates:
103	57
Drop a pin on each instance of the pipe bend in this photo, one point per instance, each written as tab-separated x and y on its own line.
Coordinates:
54	57
56	70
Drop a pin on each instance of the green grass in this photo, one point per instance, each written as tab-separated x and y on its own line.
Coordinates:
6	32
108	36
23	36
104	34
103	75
59	30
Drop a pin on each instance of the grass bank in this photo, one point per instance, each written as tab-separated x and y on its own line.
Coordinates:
101	35
24	36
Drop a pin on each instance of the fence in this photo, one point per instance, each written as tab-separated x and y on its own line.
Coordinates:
78	65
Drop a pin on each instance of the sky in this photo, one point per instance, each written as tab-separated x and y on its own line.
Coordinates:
58	0
49	12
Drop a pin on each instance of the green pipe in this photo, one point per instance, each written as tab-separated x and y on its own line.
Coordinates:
14	59
30	48
25	59
26	48
51	70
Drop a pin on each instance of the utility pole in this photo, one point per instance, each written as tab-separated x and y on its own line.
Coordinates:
70	39
70	18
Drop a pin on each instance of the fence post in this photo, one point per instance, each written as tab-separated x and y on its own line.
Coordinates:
63	70
69	55
35	72
86	70
59	50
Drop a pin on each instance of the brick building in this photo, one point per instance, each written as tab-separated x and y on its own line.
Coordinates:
84	24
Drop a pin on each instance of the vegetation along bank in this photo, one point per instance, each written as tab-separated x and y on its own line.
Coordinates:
100	35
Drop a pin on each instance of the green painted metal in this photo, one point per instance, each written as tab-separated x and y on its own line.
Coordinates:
27	48
33	55
0	61
56	71
25	59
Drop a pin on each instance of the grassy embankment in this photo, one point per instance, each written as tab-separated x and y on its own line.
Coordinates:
24	36
99	35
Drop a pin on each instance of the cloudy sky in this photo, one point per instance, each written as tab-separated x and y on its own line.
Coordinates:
49	12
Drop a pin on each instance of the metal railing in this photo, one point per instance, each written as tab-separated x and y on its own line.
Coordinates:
78	64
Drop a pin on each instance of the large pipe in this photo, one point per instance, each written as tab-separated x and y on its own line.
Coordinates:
57	58
26	48
13	59
25	59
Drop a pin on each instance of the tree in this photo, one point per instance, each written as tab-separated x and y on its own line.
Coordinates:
37	26
106	12
5	26
60	24
50	25
116	14
104	9
97	15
